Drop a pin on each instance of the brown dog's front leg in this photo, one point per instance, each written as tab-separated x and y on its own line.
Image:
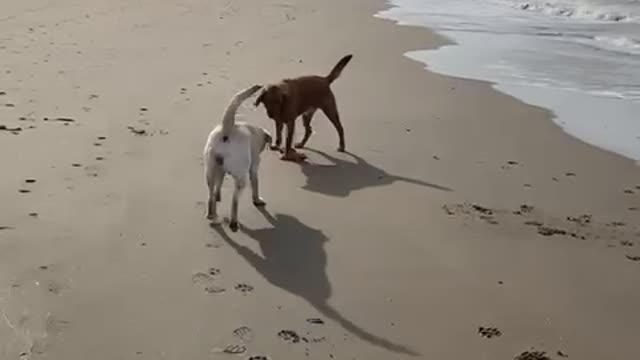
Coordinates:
278	142
289	153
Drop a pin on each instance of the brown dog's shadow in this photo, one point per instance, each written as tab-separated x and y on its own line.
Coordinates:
343	177
294	259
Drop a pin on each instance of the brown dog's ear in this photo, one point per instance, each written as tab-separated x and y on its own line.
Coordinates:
284	97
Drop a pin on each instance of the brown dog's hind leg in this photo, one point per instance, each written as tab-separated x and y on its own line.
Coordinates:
306	120
330	109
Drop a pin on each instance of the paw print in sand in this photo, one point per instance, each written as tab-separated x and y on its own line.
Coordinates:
289	336
489	332
533	355
235	349
243	332
244	288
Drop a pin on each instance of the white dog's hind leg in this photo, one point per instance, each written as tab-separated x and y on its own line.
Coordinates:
240	183
213	183
219	179
255	186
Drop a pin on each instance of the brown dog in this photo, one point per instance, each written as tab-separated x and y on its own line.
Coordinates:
290	98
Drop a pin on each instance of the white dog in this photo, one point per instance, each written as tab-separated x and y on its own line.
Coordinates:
234	148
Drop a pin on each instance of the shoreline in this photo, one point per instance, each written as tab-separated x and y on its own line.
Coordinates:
581	114
456	208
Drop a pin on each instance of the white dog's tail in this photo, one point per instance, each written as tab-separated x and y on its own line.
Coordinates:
229	118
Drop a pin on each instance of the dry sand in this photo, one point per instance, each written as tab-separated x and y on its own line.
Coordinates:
107	255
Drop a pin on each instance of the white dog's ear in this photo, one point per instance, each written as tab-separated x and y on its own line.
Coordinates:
260	98
254	89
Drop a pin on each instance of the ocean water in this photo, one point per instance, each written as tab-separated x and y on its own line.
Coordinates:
577	58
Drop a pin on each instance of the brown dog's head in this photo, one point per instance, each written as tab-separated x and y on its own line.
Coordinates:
274	98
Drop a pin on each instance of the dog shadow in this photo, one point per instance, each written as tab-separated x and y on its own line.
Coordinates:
344	177
294	259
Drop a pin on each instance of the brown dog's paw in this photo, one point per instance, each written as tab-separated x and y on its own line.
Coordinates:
275	147
259	202
234	226
341	149
299	145
294	156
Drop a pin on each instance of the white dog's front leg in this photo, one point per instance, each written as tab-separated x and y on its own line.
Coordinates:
240	183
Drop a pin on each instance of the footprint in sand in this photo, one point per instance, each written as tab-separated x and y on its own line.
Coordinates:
471	211
235	349
489	332
137	131
258	357
231	349
13	130
206	280
532	355
92	170
244	288
315	321
200	278
243	333
289	336
214	289
54	325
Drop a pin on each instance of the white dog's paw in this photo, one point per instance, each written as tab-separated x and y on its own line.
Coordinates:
259	202
234	225
214	219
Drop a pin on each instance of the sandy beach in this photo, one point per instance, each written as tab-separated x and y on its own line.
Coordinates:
461	224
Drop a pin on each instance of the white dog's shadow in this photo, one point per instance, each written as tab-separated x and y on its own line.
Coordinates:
343	177
293	258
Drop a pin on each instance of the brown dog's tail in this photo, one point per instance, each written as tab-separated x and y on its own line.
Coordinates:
337	70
